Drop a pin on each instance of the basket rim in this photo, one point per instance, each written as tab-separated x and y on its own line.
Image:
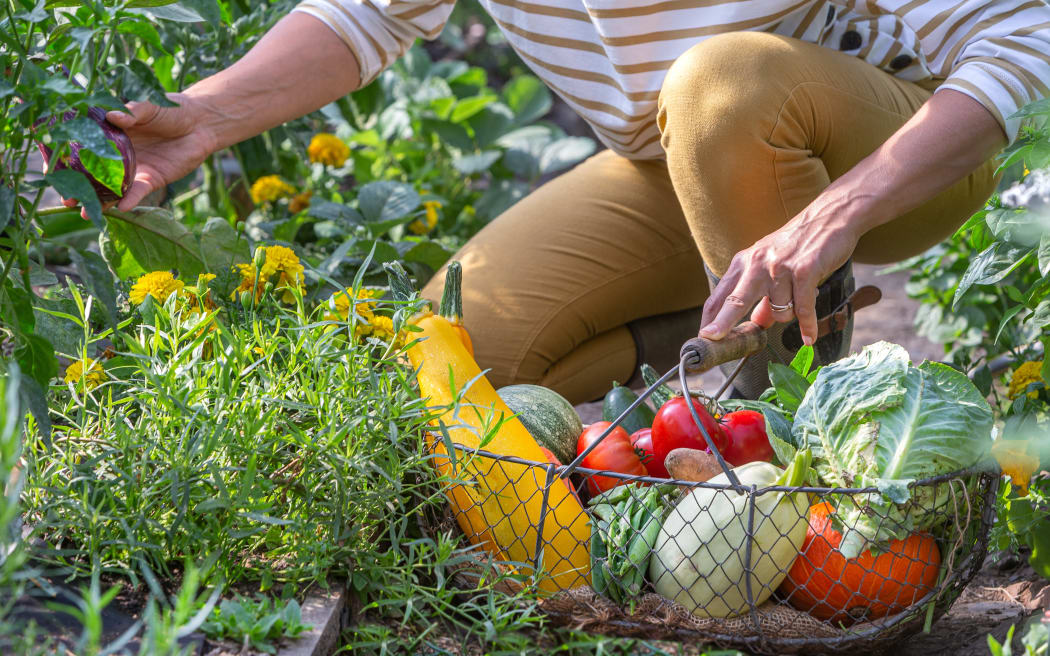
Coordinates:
554	470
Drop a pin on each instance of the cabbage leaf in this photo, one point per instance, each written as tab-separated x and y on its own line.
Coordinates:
874	419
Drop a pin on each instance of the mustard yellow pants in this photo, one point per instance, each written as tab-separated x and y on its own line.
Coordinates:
754	126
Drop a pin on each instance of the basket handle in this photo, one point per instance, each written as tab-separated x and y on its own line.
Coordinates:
700	354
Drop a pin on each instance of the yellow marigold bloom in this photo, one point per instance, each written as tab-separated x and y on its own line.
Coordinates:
1028	373
283	260
425	225
300	202
158	284
340	302
328	149
383	328
93	377
1018	460
248	283
269	188
205	294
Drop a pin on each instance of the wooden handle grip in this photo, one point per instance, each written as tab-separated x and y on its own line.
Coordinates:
701	354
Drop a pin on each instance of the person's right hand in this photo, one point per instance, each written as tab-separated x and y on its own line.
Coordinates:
169	143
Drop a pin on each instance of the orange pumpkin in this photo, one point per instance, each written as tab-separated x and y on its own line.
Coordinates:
823	583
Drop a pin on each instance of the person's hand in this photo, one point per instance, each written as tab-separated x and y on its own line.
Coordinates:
169	143
783	268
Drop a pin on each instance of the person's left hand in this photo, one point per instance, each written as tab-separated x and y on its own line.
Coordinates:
784	267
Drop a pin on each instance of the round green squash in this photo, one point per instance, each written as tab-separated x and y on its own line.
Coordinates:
548	416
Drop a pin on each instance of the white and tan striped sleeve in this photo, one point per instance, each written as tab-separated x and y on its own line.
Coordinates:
379	31
1000	57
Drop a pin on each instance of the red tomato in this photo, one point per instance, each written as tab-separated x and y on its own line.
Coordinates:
748	441
642	441
614	453
674	428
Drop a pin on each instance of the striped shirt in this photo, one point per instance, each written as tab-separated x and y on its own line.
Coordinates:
607	58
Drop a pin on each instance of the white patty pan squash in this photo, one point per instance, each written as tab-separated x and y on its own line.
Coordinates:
699	557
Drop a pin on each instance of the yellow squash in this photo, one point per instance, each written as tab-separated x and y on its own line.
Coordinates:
497	504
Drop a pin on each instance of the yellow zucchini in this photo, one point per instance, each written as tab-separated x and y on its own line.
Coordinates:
498	505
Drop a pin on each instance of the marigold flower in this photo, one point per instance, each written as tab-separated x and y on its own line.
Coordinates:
158	284
383	328
300	202
340	303
248	282
1018	460
1028	373
269	188
204	297
283	260
430	219
327	149
87	369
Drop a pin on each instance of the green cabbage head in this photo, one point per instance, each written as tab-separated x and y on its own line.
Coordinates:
874	419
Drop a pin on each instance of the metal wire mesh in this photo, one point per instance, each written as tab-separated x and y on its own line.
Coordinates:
735	564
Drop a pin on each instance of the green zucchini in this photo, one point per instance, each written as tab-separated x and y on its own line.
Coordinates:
662	394
619	399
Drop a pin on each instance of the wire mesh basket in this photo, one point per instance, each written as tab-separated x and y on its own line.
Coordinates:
726	561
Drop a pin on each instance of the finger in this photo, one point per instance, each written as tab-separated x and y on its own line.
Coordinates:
763	314
781	295
718	295
69	202
140	188
805	290
735	307
133	114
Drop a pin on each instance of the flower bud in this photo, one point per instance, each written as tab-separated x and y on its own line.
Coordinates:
260	258
246	300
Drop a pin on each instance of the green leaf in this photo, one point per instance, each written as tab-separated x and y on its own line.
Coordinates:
563	153
137	81
151	239
98	280
803	360
109	172
430	253
528	98
522	163
143	30
221	247
1007	316
1043	254
74	184
208	10
1018	227
491	123
990	266
329	211
1039	541
1041	316
7	205
64	335
477	163
386	200
790	386
1038	107
174	11
89	135
36	357
464	109
34	398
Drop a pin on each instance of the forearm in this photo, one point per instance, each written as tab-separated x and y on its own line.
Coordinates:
946	140
299	66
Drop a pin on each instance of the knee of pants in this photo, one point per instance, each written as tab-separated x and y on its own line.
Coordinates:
722	83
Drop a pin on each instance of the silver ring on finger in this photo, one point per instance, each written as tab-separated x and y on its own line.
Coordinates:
781	308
